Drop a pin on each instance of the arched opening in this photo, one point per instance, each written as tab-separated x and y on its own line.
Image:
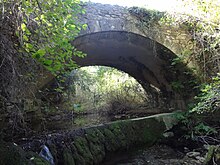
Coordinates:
109	92
149	62
98	94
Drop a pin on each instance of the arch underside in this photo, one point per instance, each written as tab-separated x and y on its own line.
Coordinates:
144	59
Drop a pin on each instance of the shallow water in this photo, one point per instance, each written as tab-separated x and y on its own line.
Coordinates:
79	121
76	122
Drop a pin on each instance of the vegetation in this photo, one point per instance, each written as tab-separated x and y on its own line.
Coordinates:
202	120
209	98
33	32
44	30
103	88
201	19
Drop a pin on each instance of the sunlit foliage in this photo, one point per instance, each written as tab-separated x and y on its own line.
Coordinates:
45	29
102	87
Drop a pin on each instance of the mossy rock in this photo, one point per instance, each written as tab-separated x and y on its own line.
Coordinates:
11	154
68	157
137	135
83	149
217	158
209	155
111	143
130	134
150	134
14	155
119	134
96	144
77	158
37	160
98	152
94	135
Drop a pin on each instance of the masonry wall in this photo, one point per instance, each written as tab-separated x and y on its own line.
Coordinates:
146	23
91	145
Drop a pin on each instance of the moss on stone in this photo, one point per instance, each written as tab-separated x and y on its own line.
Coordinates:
83	149
91	146
14	155
77	158
11	154
146	15
39	161
217	158
119	134
68	158
98	152
94	135
96	144
129	133
111	141
35	159
152	134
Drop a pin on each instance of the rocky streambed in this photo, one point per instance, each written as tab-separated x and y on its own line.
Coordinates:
156	155
127	142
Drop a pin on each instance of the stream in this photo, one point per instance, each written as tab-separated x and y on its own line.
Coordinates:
155	155
159	154
70	122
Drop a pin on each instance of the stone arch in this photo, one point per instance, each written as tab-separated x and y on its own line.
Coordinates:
104	17
114	31
149	62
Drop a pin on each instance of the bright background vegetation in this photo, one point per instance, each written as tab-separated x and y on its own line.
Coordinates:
100	88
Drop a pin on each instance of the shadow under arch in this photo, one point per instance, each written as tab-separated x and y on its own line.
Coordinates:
149	62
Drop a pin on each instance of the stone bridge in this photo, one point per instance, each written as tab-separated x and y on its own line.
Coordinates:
133	40
146	23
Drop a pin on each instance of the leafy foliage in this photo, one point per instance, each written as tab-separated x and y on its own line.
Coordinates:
201	120
177	86
30	31
45	29
209	99
195	128
100	87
